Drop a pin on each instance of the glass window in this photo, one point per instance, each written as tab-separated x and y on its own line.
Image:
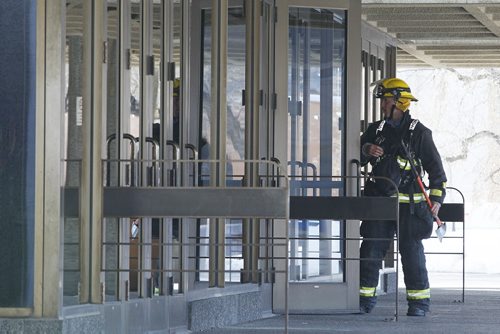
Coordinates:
17	155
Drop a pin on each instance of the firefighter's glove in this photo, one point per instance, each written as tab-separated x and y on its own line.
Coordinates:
435	208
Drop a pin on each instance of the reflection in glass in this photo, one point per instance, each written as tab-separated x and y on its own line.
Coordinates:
73	148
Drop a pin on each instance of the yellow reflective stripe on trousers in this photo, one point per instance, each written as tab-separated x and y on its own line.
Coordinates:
367	291
418	294
436	192
405	198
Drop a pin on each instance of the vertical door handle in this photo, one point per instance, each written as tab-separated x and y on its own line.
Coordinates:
358	176
194	157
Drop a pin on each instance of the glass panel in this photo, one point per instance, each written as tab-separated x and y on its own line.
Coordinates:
235	144
203	252
17	153
135	75
316	81
132	127
235	82
155	145
234	250
177	225
73	148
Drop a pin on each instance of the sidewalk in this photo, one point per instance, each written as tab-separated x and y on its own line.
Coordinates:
479	314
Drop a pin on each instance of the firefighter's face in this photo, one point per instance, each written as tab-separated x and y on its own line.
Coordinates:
390	112
386	104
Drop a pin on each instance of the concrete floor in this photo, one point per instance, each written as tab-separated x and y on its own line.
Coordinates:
480	313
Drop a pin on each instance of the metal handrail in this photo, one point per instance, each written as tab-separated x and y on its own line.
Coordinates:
456	237
283	187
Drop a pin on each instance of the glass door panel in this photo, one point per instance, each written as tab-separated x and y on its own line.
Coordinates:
323	79
235	146
316	93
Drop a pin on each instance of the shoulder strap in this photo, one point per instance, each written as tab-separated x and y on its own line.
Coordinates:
380	126
413	125
411	128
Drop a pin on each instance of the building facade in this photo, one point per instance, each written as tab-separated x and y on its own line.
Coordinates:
153	152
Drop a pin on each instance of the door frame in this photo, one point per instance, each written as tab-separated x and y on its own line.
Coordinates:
333	297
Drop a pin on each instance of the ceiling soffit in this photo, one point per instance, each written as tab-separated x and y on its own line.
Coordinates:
439	33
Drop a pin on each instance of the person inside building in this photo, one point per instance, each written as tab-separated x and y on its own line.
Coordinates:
382	147
175	114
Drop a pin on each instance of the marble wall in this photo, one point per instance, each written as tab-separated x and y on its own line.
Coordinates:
461	106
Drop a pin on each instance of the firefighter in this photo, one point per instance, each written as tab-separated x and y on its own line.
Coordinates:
381	146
